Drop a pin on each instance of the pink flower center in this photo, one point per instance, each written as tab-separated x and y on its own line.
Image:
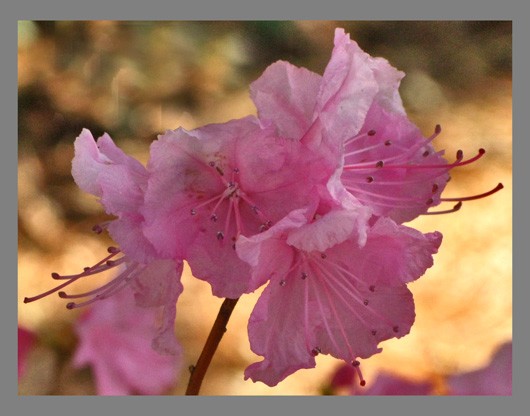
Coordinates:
232	208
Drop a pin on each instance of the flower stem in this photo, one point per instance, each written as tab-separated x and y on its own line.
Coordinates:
213	340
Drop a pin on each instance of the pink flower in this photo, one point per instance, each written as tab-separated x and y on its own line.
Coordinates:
26	341
102	169
493	380
115	341
120	182
329	294
210	186
354	118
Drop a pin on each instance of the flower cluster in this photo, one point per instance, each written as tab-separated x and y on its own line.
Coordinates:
308	198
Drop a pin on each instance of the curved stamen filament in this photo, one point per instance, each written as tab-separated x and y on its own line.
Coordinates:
102	289
111	288
361	192
459	201
88	271
327	285
447	211
457	163
473	197
359	137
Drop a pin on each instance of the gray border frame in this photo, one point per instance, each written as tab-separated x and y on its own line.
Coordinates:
279	10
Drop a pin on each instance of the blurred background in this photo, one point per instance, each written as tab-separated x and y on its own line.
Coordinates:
134	80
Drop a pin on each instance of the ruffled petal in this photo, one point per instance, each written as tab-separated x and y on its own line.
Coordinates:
124	363
323	302
395	254
103	170
330	229
347	90
286	96
495	379
158	285
278	331
267	253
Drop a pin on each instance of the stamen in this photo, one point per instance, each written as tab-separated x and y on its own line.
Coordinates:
359	137
473	197
315	351
458	205
356	364
87	271
405	154
447	211
99	228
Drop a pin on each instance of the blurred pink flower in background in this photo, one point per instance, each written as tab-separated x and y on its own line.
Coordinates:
115	340
344	381
26	341
493	380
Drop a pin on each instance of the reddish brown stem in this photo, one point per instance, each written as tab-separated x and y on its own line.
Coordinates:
213	340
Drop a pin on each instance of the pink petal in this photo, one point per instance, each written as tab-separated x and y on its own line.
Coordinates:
127	231
26	341
395	254
124	362
158	285
492	380
105	171
276	331
286	95
330	229
347	90
267	253
321	302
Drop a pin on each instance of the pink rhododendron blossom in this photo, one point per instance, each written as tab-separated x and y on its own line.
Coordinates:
209	186
120	181
309	197
115	341
354	118
493	380
340	300
26	341
102	169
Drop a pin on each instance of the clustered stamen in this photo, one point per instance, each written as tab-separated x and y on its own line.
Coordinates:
352	182
102	292
233	195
